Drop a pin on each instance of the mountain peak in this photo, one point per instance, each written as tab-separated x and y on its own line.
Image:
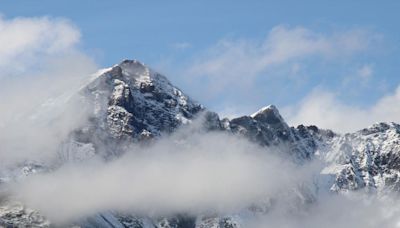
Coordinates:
268	114
136	99
132	61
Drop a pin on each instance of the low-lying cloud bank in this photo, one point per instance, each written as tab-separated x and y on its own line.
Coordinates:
199	173
202	173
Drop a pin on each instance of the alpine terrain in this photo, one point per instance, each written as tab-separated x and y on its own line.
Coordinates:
130	103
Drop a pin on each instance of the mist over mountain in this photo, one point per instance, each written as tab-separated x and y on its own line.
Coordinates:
124	147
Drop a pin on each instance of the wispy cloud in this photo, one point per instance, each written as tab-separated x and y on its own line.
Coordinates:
189	172
24	39
337	211
365	72
324	109
40	67
181	45
239	63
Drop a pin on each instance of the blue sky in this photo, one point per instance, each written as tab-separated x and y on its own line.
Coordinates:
237	56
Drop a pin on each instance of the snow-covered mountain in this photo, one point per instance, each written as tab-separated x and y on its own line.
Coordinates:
130	103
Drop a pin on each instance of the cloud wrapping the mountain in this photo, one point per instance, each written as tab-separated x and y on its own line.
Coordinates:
188	172
210	174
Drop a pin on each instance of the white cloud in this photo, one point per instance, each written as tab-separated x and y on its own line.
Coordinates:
181	45
188	172
337	211
324	109
365	72
39	63
212	174
238	63
23	39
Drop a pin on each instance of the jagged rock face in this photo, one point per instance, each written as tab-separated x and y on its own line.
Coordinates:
368	159
132	103
267	128
140	99
14	214
217	222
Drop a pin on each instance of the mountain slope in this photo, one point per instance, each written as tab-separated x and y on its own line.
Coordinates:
367	159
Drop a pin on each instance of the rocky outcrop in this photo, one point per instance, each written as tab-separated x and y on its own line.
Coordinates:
267	128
